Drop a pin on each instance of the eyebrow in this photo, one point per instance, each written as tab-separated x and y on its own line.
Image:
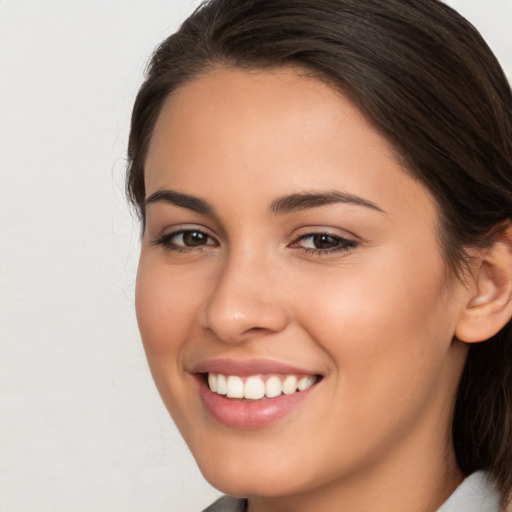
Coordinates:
306	200
280	206
182	200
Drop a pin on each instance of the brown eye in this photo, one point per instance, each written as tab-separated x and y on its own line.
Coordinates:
192	238
185	239
324	243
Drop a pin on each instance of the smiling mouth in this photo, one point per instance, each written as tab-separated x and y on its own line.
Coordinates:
258	387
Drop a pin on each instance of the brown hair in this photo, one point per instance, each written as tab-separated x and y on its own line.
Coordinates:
432	86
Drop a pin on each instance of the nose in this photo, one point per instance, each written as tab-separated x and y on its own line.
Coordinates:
246	302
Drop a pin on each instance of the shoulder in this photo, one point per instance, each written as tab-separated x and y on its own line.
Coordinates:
227	504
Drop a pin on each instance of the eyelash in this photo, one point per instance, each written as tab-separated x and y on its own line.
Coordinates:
166	240
343	244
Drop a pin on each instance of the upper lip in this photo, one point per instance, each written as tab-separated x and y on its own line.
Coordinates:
248	367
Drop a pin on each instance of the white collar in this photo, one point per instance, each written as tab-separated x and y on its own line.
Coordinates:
477	493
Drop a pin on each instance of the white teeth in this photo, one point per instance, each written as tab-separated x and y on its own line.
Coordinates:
305	382
222	387
257	387
212	382
235	387
290	385
254	388
273	387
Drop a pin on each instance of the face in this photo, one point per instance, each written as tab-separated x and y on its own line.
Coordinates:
291	294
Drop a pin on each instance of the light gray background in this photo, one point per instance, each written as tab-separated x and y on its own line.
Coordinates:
81	425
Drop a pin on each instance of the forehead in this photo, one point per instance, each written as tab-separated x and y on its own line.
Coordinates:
274	130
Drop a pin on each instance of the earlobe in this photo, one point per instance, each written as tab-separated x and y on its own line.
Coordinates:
489	306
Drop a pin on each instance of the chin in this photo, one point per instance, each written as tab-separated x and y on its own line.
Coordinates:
241	479
243	487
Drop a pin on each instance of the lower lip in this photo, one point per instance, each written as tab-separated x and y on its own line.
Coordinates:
245	414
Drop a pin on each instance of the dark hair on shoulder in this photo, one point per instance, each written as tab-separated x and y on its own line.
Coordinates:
430	84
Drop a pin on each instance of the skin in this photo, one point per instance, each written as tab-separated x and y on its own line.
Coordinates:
376	320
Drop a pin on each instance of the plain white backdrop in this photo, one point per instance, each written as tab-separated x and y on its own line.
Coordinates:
81	425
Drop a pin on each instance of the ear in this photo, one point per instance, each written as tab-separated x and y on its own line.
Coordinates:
489	305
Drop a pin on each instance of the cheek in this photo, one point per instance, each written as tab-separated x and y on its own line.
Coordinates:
388	337
386	326
165	305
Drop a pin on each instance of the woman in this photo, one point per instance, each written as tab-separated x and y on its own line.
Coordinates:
325	283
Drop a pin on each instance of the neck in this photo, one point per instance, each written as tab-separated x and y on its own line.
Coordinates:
405	482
